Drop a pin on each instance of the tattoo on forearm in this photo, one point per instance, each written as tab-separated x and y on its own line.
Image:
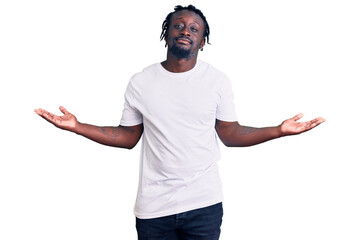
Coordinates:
246	130
113	133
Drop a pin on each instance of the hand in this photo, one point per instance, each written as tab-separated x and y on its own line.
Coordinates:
66	122
292	127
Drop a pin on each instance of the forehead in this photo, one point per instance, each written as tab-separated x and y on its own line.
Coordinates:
187	15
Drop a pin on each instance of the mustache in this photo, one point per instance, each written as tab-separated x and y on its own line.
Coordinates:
184	38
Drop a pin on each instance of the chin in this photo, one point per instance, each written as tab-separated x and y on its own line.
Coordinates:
180	52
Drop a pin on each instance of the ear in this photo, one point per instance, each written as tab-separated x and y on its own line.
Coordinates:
202	44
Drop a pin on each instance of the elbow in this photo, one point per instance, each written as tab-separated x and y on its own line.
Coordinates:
228	143
128	146
233	144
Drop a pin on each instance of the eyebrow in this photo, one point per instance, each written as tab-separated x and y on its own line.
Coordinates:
183	18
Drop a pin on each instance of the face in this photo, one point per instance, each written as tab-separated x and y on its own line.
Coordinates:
185	34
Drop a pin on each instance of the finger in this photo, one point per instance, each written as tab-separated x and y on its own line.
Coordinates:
40	112
321	119
37	111
314	123
297	117
46	115
317	121
63	110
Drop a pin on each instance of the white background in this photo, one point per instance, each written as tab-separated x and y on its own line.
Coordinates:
283	57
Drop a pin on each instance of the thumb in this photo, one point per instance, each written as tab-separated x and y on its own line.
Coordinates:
63	110
297	117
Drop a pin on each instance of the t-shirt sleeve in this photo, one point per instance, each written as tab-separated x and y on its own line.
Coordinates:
131	116
226	109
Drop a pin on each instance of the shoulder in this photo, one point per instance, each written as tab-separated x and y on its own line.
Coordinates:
218	76
145	74
211	70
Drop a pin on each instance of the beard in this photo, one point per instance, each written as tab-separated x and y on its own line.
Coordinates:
179	52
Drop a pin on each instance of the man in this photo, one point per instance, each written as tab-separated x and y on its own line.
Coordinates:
179	106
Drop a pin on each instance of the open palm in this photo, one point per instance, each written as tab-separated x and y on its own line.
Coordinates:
292	126
67	122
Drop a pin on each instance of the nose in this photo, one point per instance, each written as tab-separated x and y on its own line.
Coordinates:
185	31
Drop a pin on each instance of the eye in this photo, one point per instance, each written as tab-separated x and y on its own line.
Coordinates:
177	26
193	29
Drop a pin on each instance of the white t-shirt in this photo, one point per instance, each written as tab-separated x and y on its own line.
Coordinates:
178	169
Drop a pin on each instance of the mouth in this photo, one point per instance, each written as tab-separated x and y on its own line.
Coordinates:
183	40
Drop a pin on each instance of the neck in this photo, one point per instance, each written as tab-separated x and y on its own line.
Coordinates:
176	65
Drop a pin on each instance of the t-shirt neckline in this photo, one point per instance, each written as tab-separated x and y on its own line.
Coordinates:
181	74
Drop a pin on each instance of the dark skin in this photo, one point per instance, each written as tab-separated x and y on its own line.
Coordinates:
186	30
121	136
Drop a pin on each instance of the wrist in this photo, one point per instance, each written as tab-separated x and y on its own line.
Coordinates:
279	131
78	129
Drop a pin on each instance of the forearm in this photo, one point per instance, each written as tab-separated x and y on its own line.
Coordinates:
244	136
122	137
232	134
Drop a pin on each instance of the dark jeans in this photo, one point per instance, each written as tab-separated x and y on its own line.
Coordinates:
200	224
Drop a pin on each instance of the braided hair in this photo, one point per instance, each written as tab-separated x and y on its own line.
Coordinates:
166	23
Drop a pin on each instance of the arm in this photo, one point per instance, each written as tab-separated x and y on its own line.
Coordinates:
232	134
122	137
